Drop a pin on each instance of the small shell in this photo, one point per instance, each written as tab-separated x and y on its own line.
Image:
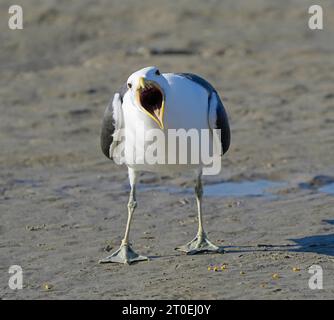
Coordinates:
47	286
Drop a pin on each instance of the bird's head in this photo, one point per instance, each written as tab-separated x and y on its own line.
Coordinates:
147	89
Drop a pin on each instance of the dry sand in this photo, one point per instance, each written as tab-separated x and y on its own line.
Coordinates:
63	204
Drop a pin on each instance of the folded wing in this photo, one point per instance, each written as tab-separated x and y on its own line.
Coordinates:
217	115
112	123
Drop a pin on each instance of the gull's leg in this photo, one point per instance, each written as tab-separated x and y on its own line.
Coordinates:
125	253
200	243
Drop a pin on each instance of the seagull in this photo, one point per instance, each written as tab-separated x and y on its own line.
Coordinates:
162	101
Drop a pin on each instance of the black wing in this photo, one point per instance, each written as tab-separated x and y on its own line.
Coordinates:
109	123
221	119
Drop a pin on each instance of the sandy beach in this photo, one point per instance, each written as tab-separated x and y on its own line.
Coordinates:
63	203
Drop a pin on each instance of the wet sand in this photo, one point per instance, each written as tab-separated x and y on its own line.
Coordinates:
63	204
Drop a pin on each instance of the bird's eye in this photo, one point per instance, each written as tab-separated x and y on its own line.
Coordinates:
129	85
157	72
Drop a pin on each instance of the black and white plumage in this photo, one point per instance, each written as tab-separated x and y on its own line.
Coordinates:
162	101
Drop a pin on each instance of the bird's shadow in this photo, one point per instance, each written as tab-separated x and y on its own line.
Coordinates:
320	244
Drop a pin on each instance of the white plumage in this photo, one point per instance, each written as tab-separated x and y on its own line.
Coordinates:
162	102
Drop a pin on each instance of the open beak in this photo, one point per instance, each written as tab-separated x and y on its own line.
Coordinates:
151	100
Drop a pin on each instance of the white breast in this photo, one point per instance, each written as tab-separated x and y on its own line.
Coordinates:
186	107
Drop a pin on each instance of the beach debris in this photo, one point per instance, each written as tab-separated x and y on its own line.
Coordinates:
171	51
145	51
235	204
36	227
183	201
295	269
262	245
275	276
217	267
79	112
242	273
47	286
91	91
148	237
108	248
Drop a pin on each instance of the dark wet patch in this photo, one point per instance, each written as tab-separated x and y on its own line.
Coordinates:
320	183
328	221
91	91
317	182
27	182
79	112
329	96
